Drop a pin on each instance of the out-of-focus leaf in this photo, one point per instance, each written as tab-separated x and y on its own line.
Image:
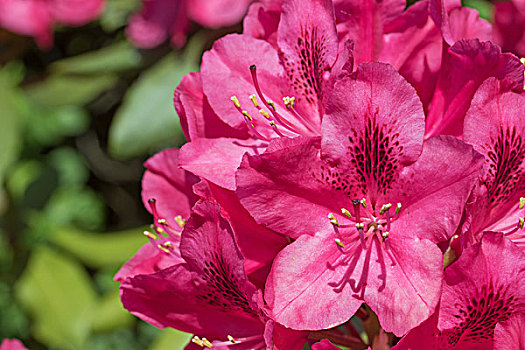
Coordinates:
57	292
46	127
109	314
116	13
10	136
171	339
114	58
81	207
22	176
61	90
147	120
485	8
100	249
72	169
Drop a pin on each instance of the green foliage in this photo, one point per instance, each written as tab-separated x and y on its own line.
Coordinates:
147	120
58	293
171	339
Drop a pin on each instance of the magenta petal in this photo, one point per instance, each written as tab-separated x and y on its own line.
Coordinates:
217	13
196	115
12	344
76	12
324	345
262	20
465	66
282	187
363	21
169	185
464	23
149	259
226	73
363	111
217	160
509	335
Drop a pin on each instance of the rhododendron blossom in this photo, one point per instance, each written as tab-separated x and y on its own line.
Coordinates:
482	291
364	205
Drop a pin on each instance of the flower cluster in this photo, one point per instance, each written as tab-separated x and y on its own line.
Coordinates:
346	161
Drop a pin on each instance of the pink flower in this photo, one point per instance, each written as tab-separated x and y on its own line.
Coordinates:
159	20
483	291
209	293
36	17
12	344
366	205
509	26
509	334
494	126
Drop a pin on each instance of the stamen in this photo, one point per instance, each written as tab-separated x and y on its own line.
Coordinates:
384	208
247	115
385	235
346	212
363	202
522	203
197	341
521	222
180	221
162	222
235	101
150	235
274	127
333	220
359	226
254	100
398	208
264	113
339	243
163	248
207	343
232	339
357	209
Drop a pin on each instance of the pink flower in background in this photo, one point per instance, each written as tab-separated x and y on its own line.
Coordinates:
509	26
12	344
36	17
366	206
159	20
484	290
209	293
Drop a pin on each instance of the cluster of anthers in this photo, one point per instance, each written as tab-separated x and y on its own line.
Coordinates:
366	223
164	237
205	343
281	125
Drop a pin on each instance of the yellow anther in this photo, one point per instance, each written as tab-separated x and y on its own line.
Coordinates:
271	104
272	123
398	208
163	248
363	202
346	212
339	243
359	226
522	60
292	101
197	341
254	101
179	220
245	113
207	343
384	208
264	113
385	235
150	235
235	101
522	202
333	219
232	339
168	245
162	222
521	222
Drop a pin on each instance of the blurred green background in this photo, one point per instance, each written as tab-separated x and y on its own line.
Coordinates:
76	124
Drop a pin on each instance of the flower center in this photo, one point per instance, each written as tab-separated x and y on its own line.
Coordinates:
285	122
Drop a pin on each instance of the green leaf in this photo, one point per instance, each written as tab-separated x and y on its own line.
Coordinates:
100	249
485	8
146	119
70	165
171	339
116	13
115	58
109	314
58	293
61	90
10	133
